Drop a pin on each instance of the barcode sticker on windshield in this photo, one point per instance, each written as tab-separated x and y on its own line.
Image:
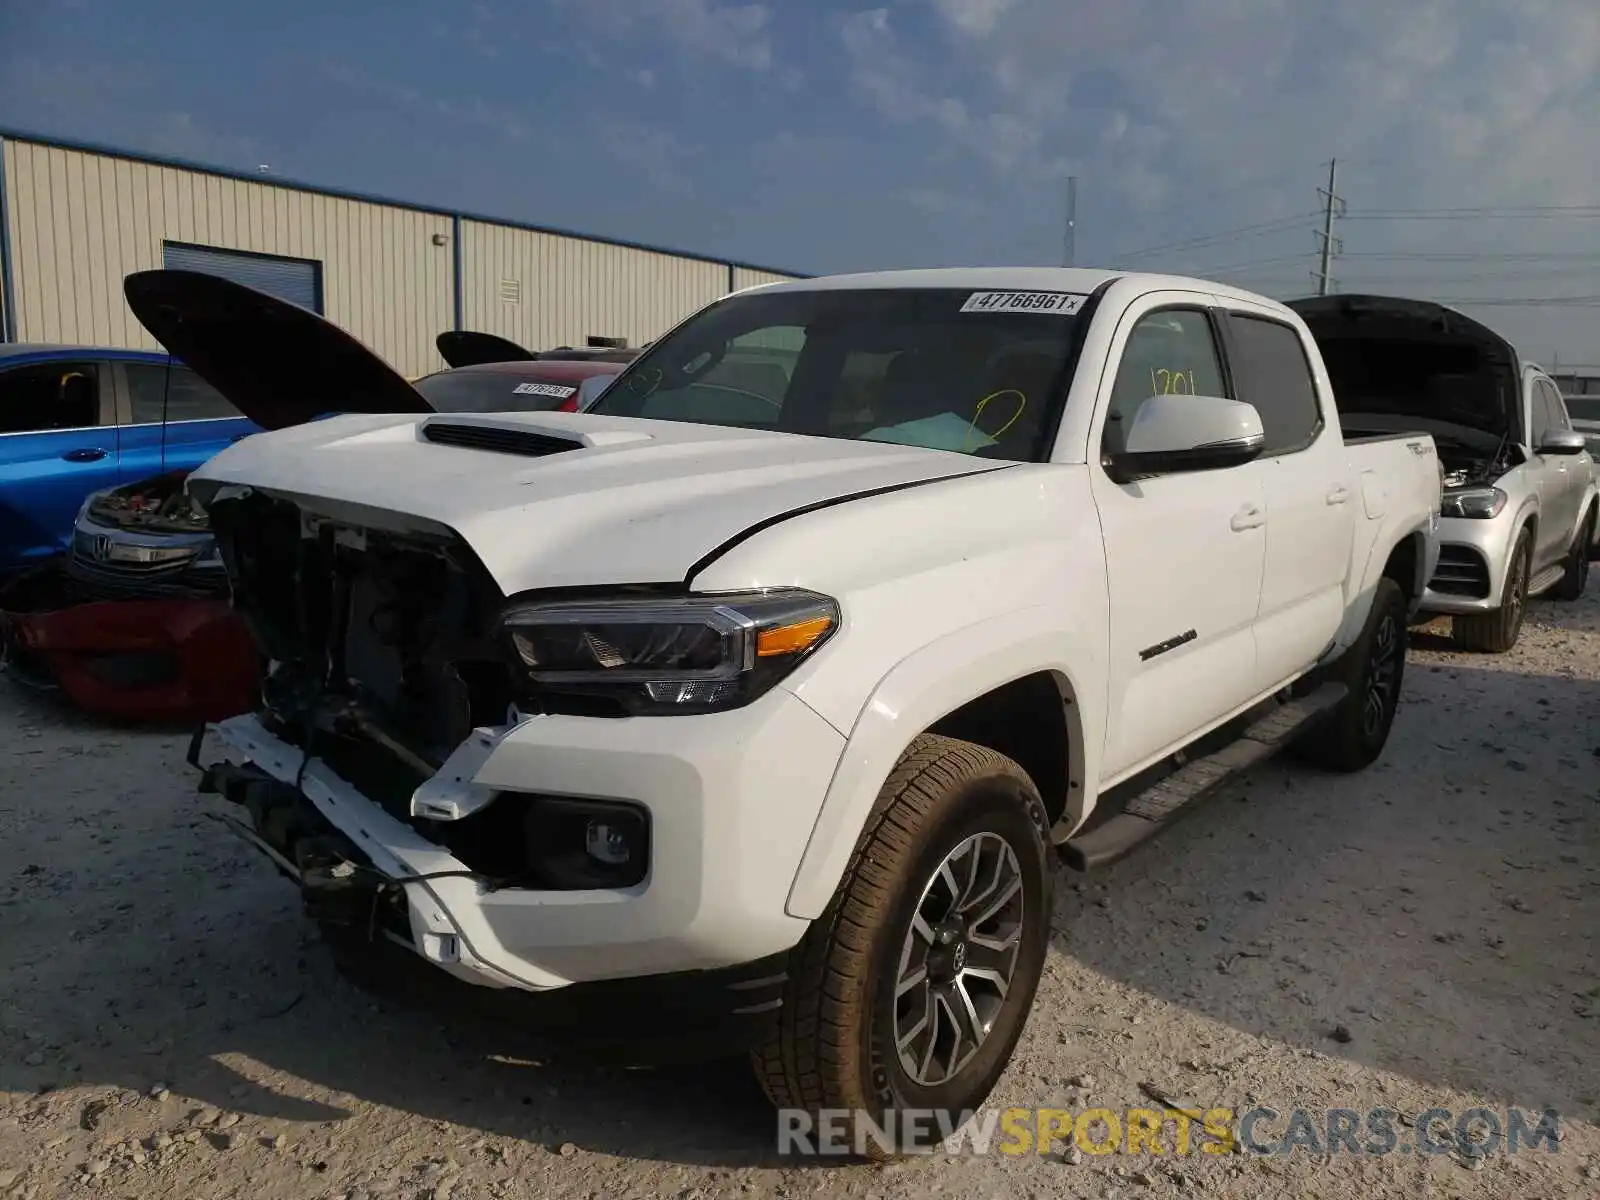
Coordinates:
1064	304
560	391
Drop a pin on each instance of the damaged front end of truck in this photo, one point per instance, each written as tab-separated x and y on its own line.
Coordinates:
388	666
385	680
392	677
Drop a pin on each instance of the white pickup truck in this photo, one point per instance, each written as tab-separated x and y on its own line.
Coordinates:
767	691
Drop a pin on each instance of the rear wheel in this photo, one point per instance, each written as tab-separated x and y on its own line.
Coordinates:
1576	577
1356	732
1496	632
907	997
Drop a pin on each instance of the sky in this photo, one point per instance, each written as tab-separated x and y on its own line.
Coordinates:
837	135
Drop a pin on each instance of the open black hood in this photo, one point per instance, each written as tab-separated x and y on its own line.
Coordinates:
1390	356
277	363
468	348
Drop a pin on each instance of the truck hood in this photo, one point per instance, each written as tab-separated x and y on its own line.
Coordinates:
548	499
277	363
1415	360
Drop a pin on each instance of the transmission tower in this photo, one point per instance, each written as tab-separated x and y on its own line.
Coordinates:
1333	206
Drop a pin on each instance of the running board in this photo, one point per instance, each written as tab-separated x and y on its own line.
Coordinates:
1547	578
1153	809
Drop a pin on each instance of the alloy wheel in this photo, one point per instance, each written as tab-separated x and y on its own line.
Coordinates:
1383	668
958	959
1515	589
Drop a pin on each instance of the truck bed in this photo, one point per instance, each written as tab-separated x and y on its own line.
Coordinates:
1364	439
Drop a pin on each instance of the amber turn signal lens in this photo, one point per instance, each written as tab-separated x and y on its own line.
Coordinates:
791	639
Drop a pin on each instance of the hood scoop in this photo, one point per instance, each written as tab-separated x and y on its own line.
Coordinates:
497	439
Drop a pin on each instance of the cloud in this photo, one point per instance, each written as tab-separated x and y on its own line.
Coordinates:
739	35
655	154
69	95
905	91
973	17
512	124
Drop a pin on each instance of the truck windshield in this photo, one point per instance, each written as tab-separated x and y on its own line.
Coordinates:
948	369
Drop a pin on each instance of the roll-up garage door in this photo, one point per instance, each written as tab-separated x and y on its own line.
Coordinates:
297	280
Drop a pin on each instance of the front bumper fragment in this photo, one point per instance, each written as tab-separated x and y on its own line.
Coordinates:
366	919
728	826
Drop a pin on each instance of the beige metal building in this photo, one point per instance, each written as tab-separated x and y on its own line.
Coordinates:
76	219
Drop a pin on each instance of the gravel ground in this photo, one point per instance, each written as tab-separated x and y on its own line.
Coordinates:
1421	935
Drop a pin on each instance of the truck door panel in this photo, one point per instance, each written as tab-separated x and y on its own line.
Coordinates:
1311	503
1184	551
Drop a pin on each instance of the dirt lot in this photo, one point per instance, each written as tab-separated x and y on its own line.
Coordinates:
1423	935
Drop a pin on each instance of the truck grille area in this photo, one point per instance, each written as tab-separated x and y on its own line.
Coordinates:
1462	571
383	637
385	660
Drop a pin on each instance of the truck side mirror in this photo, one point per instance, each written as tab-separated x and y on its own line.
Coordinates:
1177	432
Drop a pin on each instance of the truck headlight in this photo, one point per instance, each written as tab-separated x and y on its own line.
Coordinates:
1479	502
670	654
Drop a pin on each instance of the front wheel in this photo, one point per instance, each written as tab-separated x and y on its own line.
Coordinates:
1496	632
908	995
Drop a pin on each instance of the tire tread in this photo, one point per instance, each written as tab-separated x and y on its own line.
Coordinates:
811	1061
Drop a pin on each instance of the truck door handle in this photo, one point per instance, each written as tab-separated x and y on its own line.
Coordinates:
1248	517
84	454
1339	494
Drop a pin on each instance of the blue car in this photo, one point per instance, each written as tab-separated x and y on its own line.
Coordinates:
78	419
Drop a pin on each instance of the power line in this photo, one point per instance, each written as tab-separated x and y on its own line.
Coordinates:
1232	268
1475	256
1509	210
1487	277
1524	302
1259	229
1530	215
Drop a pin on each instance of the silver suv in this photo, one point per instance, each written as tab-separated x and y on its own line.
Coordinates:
1518	493
1517	524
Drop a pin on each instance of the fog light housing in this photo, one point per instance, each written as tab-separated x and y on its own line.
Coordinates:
586	844
607	844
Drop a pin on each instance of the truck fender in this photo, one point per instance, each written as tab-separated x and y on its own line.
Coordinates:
1366	586
929	684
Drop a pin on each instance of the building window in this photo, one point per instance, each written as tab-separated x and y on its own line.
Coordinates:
296	280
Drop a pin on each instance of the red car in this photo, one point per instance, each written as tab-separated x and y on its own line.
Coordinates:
135	622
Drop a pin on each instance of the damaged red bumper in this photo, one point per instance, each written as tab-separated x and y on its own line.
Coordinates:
172	658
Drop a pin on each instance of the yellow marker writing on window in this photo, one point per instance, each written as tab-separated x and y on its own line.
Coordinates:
1165	382
972	426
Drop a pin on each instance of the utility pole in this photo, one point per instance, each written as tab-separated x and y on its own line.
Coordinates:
1070	251
1332	206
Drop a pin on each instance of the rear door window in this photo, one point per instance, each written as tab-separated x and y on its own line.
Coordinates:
41	397
1271	372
